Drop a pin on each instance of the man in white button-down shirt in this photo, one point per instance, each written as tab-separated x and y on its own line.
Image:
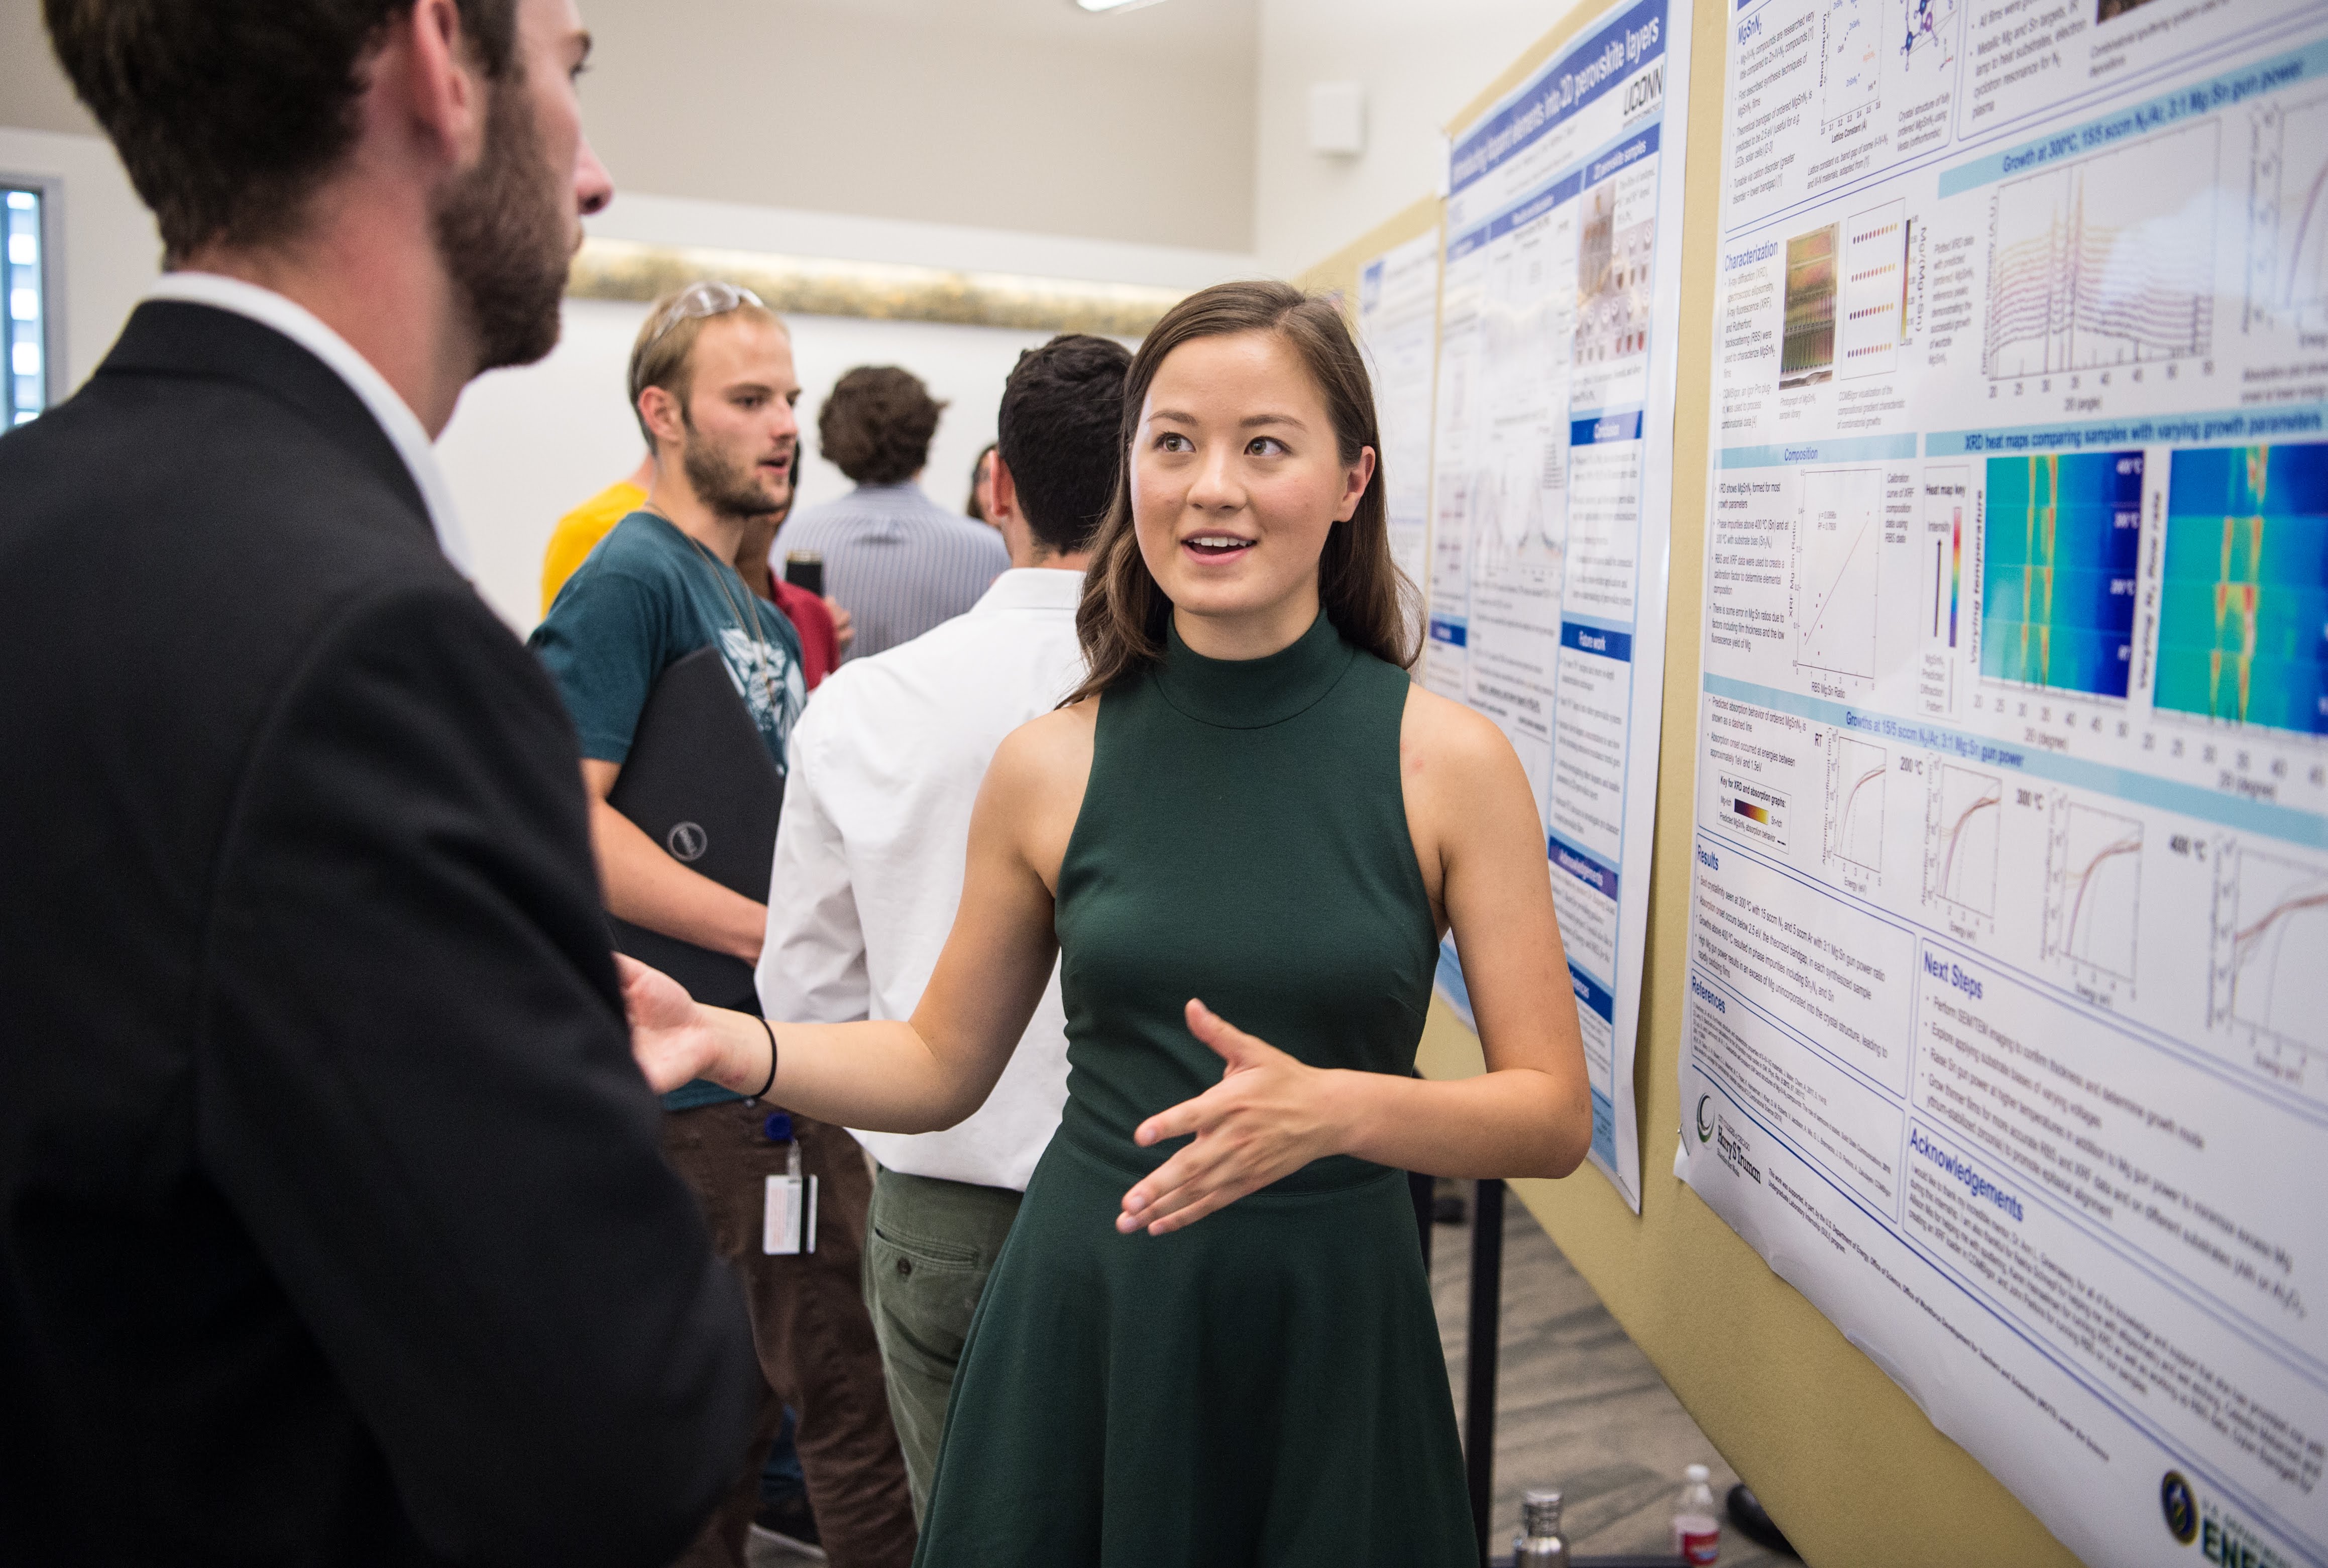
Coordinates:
886	764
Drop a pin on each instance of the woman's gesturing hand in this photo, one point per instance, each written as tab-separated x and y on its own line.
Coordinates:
671	1039
1268	1116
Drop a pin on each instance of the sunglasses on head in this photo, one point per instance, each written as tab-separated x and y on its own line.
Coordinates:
708	298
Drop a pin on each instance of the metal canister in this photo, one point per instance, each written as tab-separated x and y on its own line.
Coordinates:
1539	1544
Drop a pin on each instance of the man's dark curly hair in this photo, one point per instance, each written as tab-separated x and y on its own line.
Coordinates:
876	427
227	114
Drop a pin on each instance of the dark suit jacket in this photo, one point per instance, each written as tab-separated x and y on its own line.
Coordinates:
333	1226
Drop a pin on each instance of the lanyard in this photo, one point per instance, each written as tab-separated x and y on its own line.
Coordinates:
745	622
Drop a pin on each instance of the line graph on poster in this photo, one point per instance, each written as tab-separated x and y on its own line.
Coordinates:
2269	988
1854	801
1836	546
2093	889
2107	261
2288	217
1963	825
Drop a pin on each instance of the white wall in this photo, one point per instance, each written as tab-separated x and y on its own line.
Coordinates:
1420	64
527	445
111	251
1027	115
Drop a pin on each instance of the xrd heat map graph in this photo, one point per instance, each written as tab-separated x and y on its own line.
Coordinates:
2108	261
2243	611
2062	539
2093	891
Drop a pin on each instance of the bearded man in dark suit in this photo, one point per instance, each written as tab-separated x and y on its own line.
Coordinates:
332	1225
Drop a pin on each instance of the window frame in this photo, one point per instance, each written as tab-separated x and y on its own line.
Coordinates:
50	189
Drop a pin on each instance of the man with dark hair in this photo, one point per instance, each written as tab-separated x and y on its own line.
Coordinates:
901	562
886	764
333	1226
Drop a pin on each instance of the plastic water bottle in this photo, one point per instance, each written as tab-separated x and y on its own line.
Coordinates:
1696	1529
1538	1543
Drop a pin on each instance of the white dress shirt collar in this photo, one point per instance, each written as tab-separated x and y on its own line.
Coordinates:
1032	588
397	421
886	762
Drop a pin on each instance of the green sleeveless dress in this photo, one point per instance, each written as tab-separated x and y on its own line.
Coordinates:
1266	1386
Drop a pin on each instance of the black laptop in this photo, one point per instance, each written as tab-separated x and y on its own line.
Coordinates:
698	781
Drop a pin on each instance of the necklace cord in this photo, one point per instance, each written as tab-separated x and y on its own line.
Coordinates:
749	625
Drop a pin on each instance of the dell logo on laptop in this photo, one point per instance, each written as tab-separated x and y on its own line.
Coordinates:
688	841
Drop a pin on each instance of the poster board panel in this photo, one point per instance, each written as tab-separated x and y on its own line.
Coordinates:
1551	486
2005	1035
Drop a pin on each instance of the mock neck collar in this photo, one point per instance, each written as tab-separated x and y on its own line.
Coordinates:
1253	693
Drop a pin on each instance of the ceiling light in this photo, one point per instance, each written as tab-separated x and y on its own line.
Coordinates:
1115	4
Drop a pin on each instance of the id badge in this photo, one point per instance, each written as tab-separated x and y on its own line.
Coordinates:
788	1217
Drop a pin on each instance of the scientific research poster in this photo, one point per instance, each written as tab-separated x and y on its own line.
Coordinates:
2007	1039
1398	327
1551	504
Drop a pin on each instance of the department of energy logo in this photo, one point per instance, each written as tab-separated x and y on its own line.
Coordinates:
688	841
2181	1509
1705	1121
2222	1536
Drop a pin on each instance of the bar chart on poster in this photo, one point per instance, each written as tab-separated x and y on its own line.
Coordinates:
1551	486
2007	1029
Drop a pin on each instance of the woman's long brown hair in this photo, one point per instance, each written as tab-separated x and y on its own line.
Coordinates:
1121	620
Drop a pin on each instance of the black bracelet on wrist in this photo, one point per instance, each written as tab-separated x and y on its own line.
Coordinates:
757	1094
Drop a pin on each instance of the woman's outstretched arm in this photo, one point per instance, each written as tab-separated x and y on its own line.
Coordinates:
933	1070
1473	818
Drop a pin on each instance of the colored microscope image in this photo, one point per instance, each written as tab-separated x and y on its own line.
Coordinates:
2243	616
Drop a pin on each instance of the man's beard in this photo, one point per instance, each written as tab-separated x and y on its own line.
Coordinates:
502	233
720	482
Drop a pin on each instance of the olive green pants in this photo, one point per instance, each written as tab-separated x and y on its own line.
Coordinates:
929	1246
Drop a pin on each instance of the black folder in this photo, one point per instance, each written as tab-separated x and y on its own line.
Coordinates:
698	781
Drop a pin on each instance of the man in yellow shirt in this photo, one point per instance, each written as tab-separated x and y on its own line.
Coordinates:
579	530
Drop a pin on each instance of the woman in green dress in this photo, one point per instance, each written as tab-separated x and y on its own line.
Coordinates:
1246	803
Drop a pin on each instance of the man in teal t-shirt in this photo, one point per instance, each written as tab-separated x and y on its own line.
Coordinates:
713	380
647	597
712	383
